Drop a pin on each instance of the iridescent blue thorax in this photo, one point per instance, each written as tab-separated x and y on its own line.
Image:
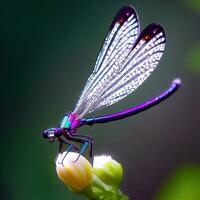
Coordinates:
70	121
65	123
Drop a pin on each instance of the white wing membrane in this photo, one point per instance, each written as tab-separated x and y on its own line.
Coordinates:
136	69
120	39
126	60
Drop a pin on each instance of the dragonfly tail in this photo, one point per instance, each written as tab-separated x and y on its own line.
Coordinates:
176	83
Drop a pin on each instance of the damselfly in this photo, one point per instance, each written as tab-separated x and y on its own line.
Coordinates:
126	60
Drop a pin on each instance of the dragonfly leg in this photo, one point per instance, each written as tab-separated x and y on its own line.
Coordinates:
84	146
66	152
84	140
63	140
68	149
60	146
89	139
59	151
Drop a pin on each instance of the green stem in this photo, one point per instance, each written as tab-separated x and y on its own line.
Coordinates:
98	190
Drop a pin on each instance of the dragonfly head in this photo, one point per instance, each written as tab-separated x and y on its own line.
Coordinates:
50	134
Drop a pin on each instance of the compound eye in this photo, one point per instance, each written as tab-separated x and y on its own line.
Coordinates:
45	134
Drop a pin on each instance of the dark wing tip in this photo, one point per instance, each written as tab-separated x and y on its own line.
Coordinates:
149	32
152	30
123	14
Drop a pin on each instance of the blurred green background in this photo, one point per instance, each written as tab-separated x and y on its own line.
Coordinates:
48	49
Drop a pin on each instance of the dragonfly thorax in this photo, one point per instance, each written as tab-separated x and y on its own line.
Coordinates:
70	121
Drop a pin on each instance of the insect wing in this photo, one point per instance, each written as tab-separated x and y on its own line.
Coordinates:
122	34
137	67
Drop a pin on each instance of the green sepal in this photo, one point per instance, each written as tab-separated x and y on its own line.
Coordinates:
98	190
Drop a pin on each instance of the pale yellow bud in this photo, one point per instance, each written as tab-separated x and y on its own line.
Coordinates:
76	175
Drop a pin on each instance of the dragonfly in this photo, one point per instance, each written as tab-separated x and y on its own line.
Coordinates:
126	59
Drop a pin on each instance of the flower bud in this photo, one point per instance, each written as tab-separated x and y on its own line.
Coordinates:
76	175
108	170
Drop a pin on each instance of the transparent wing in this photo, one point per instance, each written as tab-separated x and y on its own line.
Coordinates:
138	66
118	43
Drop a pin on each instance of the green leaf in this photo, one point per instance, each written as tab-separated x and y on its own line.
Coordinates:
184	184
